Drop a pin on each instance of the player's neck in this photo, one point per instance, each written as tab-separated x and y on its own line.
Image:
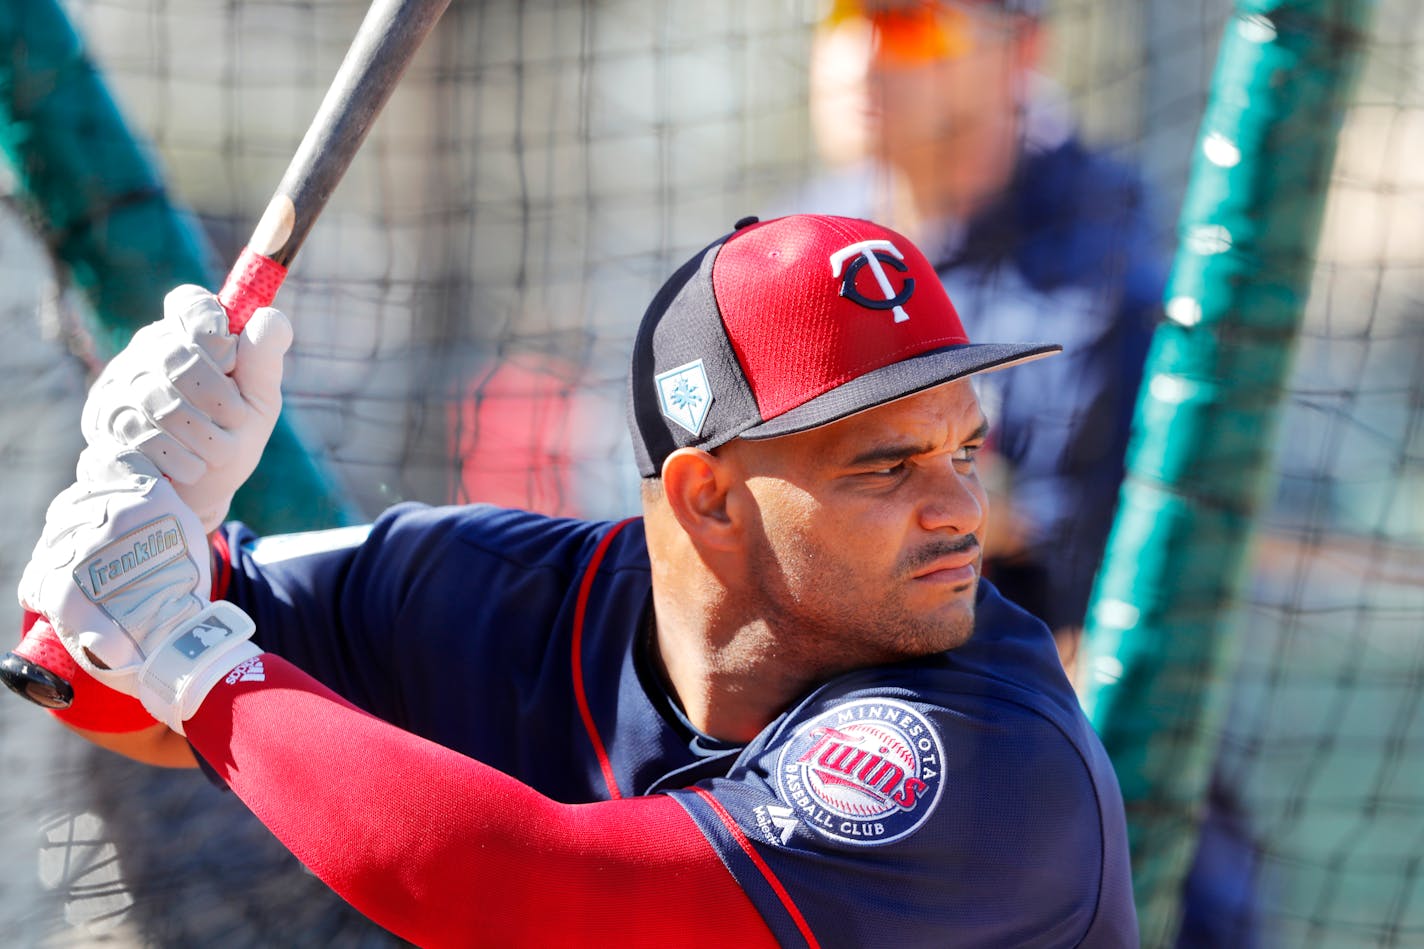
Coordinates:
729	685
713	644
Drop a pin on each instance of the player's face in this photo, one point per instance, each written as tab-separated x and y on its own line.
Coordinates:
866	548
888	92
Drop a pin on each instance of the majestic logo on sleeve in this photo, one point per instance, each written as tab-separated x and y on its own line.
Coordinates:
877	255
866	772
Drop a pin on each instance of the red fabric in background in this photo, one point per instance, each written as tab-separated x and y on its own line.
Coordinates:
512	434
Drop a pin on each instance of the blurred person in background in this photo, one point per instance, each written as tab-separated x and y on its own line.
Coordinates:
932	116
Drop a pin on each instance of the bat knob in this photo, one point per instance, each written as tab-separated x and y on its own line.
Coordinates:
34	682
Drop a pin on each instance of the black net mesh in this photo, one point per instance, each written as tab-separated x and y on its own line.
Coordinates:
464	311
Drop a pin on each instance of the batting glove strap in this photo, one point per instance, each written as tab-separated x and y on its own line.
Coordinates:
192	659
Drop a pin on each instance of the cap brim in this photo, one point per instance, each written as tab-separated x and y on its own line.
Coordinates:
898	380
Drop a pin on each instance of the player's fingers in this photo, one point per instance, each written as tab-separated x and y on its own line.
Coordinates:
198	380
202	319
264	342
131	427
171	457
111	391
173	415
158	364
173	368
37	579
106	468
28	592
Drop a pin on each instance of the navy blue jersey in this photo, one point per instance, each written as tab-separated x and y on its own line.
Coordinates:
957	799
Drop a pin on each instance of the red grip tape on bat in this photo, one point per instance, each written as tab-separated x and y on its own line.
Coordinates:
252	283
92	705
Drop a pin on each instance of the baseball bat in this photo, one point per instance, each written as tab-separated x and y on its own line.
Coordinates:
40	669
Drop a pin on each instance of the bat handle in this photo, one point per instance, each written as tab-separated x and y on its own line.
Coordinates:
251	284
40	668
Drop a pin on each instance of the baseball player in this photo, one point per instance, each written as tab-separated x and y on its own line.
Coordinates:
780	708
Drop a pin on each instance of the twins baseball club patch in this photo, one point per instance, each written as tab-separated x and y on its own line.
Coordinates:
866	772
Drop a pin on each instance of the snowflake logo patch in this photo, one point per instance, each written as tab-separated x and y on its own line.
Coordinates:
685	395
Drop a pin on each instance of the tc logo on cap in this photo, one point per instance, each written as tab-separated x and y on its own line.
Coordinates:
873	254
685	395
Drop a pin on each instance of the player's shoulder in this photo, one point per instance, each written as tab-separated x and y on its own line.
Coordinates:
985	744
994	717
412	544
1010	657
520	538
975	776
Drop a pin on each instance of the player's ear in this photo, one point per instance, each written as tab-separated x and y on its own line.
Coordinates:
695	486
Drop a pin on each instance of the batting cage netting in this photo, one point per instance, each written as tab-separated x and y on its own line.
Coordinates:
464	311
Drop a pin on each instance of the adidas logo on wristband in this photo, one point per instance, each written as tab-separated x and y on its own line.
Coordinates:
249	670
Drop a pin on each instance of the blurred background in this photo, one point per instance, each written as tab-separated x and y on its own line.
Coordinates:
464	310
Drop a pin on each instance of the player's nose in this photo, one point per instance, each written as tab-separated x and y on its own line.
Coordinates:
952	501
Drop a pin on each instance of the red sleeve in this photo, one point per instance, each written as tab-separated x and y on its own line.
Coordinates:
443	850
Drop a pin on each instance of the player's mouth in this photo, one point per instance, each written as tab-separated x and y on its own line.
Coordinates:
954	565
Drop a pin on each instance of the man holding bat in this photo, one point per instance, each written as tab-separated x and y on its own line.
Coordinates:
779	708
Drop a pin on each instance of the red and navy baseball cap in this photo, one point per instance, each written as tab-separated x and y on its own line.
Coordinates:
785	325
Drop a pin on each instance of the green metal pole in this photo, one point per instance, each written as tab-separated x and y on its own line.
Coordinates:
1160	626
100	205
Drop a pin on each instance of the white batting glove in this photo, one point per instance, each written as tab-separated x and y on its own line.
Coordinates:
196	400
122	572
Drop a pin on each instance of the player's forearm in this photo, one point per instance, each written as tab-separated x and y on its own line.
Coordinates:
443	850
157	745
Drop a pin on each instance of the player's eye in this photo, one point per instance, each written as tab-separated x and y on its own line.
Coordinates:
885	473
888	471
967	453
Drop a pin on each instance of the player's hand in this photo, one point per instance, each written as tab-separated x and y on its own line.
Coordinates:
122	573
196	400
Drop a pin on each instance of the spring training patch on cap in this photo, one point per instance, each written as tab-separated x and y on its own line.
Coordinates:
866	772
685	395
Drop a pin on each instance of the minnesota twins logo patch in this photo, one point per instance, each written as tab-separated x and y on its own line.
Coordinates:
866	772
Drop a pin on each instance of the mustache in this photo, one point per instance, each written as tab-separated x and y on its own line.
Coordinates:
927	555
